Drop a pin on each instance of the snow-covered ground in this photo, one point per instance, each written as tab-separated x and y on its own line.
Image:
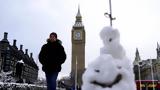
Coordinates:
112	70
8	82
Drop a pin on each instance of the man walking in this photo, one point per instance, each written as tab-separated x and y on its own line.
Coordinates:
52	56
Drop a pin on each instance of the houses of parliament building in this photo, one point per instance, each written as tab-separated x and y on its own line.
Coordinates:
16	60
147	69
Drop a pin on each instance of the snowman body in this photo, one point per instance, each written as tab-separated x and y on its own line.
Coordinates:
105	74
112	70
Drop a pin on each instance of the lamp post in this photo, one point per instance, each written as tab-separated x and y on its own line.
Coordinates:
109	15
150	63
139	74
76	75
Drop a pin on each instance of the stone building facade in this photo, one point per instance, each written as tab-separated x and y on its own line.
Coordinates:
13	59
147	69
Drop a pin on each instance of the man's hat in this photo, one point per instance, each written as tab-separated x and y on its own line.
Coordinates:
53	33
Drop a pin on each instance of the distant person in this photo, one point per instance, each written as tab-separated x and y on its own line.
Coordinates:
19	68
52	56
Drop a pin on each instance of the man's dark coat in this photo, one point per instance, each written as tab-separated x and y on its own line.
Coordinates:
52	56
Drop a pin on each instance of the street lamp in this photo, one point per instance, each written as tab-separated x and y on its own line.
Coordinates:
150	64
139	74
109	15
76	75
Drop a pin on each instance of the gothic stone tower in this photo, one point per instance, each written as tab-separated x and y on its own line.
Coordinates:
78	50
158	51
137	58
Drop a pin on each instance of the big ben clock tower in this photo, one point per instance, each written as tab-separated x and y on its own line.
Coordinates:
78	50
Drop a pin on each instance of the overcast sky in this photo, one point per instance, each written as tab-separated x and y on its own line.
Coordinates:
31	21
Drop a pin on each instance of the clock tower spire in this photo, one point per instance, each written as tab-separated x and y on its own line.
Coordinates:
78	50
78	22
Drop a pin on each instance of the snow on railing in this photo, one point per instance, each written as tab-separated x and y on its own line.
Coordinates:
24	86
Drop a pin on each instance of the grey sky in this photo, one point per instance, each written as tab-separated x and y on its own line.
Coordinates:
31	21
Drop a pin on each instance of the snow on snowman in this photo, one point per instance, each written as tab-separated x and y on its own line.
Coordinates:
112	70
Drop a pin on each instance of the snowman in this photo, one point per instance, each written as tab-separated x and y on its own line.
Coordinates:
111	41
111	45
105	74
112	70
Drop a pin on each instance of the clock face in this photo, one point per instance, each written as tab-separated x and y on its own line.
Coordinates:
77	35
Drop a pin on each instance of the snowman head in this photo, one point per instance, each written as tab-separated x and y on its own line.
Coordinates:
110	36
103	72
